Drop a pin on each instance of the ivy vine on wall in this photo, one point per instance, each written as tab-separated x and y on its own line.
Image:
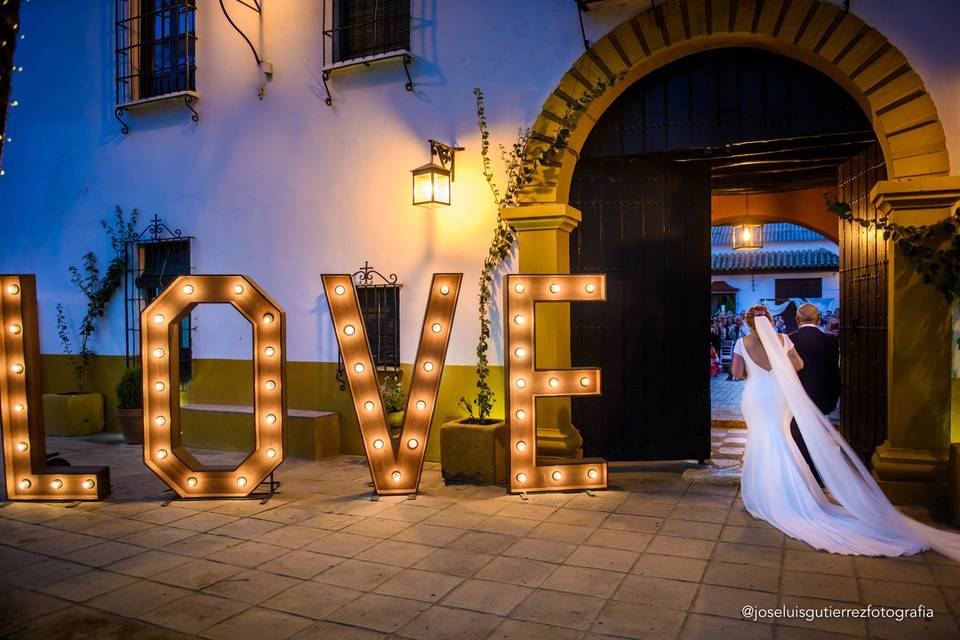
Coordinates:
934	249
97	290
521	161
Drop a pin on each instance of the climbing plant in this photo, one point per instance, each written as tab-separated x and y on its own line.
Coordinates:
521	161
98	291
934	249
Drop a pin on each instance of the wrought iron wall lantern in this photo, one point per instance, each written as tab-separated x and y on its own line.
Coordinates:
431	182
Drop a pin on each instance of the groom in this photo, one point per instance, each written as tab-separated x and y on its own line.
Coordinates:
820	375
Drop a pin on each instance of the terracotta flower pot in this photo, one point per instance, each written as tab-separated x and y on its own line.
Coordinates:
131	422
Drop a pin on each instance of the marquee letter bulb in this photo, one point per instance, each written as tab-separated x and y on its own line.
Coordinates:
271	453
519	352
556	475
241	481
590	287
269	351
24	484
428	366
412	443
518	319
553	382
378	444
270	384
158	319
238	289
358	367
22	446
396	476
554	288
368	405
87	484
17	368
521	477
521	446
349	330
188	289
271	418
18	407
340	289
13	289
57	484
436	327
421	405
518	288
267	318
592	474
158	353
15	329
521	414
191	482
159	386
584	381
521	383
160	421
444	289
161	454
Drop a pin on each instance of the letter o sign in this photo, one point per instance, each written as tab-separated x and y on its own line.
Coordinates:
160	348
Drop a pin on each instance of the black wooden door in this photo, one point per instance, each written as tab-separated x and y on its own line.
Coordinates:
646	225
863	309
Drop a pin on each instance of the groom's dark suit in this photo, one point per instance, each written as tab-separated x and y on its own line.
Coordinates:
820	376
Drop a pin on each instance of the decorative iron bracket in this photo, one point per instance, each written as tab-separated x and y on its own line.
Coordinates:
118	113
189	100
403	55
445	154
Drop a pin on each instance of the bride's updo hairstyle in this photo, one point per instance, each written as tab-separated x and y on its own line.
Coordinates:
751	315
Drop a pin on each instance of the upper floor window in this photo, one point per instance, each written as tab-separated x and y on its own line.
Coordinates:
364	28
156	48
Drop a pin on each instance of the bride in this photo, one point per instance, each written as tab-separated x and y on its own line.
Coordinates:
777	484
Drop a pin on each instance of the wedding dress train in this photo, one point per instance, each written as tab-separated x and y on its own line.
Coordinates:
778	486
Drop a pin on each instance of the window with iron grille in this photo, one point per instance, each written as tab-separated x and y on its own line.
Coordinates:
365	28
380	307
798	288
156	49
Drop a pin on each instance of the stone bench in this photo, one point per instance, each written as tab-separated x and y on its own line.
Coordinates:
310	434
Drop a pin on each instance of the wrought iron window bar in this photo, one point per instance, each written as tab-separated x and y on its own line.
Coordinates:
156	238
379	297
155	50
364	32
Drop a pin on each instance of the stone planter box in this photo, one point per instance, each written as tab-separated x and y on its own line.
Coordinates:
473	453
72	414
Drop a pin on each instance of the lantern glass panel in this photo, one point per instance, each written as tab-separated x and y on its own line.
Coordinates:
747	236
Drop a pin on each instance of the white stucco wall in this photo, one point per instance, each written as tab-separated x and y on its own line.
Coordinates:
761	288
286	188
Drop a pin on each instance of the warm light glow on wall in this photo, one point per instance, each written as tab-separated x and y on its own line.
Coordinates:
394	472
525	383
162	448
21	413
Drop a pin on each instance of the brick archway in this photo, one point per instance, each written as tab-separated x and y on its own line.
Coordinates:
818	33
912	464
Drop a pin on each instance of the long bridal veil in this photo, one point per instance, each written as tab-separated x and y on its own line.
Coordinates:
865	508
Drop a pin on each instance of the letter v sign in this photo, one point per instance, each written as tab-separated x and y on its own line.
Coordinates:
394	472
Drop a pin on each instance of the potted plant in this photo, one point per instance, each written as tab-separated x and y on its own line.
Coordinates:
79	412
130	405
394	400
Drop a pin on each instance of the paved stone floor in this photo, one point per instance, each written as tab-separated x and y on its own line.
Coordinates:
654	557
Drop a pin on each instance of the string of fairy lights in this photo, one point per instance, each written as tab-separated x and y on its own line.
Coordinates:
10	13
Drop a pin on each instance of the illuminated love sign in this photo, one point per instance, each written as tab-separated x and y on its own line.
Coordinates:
394	472
526	383
21	391
162	448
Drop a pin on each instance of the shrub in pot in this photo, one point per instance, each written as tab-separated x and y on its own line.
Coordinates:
130	405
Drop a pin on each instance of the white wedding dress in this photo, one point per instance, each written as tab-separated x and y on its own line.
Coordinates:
778	486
